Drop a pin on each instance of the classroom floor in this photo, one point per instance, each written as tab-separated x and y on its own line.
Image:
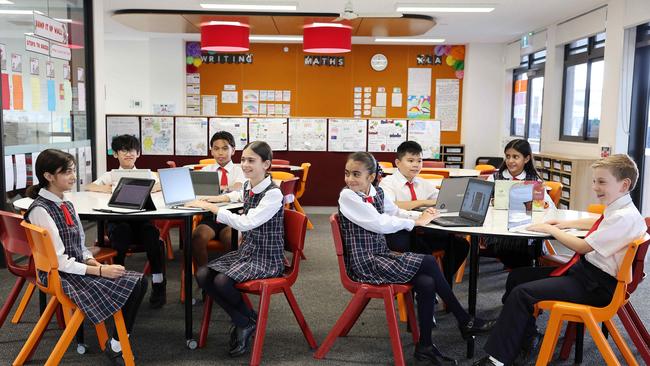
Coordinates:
158	337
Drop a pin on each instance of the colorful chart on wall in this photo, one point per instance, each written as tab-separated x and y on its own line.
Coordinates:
157	135
192	136
427	134
271	130
121	125
347	135
385	135
238	127
308	134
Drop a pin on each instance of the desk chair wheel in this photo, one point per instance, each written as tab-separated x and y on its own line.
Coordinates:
82	348
191	344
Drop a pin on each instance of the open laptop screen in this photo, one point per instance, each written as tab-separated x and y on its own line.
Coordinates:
176	186
477	199
131	193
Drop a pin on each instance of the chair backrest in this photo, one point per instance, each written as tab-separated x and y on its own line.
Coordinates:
14	243
347	282
385	164
443	172
280	162
199	166
282	175
482	167
44	255
555	191
430	176
171	164
433	164
289	186
638	265
596	208
295	229
208	161
303	181
495	161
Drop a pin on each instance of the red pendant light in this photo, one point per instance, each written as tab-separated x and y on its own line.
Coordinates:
327	38
225	37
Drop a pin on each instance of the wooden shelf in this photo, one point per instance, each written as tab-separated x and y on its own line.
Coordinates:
574	172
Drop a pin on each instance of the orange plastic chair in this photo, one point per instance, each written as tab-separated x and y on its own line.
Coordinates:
295	227
385	164
207	161
45	260
555	191
433	164
591	316
362	293
280	162
596	208
199	166
301	190
443	172
430	176
485	169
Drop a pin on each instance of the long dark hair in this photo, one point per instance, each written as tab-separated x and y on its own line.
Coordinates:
369	161
49	161
523	147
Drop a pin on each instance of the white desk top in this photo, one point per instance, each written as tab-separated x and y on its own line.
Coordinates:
453	172
496	223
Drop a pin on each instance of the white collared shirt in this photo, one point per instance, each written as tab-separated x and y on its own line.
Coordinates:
365	215
234	172
395	188
39	217
268	206
621	225
106	179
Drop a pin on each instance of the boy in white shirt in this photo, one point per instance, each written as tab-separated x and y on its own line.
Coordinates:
231	178
591	280
123	234
409	192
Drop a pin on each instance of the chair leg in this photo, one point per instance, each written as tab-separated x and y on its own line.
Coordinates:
65	339
461	272
102	335
415	332
393	330
300	318
580	340
358	301
569	340
127	353
598	337
550	340
35	336
299	208
401	308
29	291
260	332
620	343
60	317
205	323
11	299
354	317
635	330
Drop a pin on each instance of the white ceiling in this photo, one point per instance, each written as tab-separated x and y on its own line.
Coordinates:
509	21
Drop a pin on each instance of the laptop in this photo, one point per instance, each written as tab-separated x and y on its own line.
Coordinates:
117	174
450	197
130	196
176	185
205	183
474	206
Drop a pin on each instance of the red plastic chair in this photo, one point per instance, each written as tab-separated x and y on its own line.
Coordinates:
433	164
295	227
363	292
280	162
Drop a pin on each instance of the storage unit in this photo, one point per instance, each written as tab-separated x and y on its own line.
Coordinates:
574	172
453	155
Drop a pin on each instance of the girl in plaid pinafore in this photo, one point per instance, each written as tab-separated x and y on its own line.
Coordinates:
261	253
366	215
98	290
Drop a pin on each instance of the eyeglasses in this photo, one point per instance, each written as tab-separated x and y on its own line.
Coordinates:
127	152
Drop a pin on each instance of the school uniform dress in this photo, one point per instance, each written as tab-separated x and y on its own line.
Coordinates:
590	281
261	253
227	176
364	220
98	297
397	188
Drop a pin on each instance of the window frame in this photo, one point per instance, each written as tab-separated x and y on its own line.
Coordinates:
595	52
534	68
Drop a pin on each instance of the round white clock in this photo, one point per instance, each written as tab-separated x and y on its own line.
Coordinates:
378	62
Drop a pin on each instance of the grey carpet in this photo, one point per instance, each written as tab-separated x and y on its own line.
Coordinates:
158	337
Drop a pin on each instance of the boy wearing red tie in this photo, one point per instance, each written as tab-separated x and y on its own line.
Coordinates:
590	278
231	178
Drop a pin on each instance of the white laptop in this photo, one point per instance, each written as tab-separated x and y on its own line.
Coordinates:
176	185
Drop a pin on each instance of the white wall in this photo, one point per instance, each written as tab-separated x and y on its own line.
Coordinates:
484	88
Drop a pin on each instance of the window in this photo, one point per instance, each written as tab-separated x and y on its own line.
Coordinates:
527	95
583	89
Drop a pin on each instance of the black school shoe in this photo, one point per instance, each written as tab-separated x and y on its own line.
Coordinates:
158	296
432	355
476	326
114	357
243	336
485	361
530	350
232	331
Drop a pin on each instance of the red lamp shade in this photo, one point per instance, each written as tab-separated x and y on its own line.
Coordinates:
225	37
327	38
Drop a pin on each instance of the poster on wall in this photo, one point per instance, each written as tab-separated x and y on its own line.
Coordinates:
447	92
238	127
157	135
271	130
209	105
384	135
121	125
347	135
3	57
418	101
308	134
192	136
427	134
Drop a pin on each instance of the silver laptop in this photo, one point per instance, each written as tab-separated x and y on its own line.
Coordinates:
176	185
450	196
205	183
474	207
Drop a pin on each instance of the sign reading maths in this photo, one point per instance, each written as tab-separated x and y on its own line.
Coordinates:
336	61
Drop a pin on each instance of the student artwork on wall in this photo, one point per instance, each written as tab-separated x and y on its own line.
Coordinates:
418	102
384	135
191	136
308	134
347	135
447	95
238	127
157	135
427	134
121	125
271	130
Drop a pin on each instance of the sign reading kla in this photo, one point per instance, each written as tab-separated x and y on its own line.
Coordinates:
225	58
429	60
336	61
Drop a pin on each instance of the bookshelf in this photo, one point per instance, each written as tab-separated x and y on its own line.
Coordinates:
574	172
453	155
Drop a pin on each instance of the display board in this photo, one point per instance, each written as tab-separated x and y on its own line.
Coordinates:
347	135
271	130
385	135
308	134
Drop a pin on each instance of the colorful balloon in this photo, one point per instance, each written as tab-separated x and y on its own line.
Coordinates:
450	61
459	65
460	74
197	61
189	60
457	52
438	50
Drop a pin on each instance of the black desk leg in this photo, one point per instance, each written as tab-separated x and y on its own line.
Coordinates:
42	302
187	257
234	239
473	287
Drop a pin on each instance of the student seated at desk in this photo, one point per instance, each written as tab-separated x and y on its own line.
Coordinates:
261	253
366	216
123	234
517	165
590	281
409	192
231	178
98	290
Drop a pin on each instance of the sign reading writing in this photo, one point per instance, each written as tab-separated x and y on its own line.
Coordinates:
225	58
429	60
336	61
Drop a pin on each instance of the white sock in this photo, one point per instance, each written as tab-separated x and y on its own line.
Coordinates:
495	361
157	278
115	345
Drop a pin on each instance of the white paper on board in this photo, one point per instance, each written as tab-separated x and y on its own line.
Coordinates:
9	173
21	171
